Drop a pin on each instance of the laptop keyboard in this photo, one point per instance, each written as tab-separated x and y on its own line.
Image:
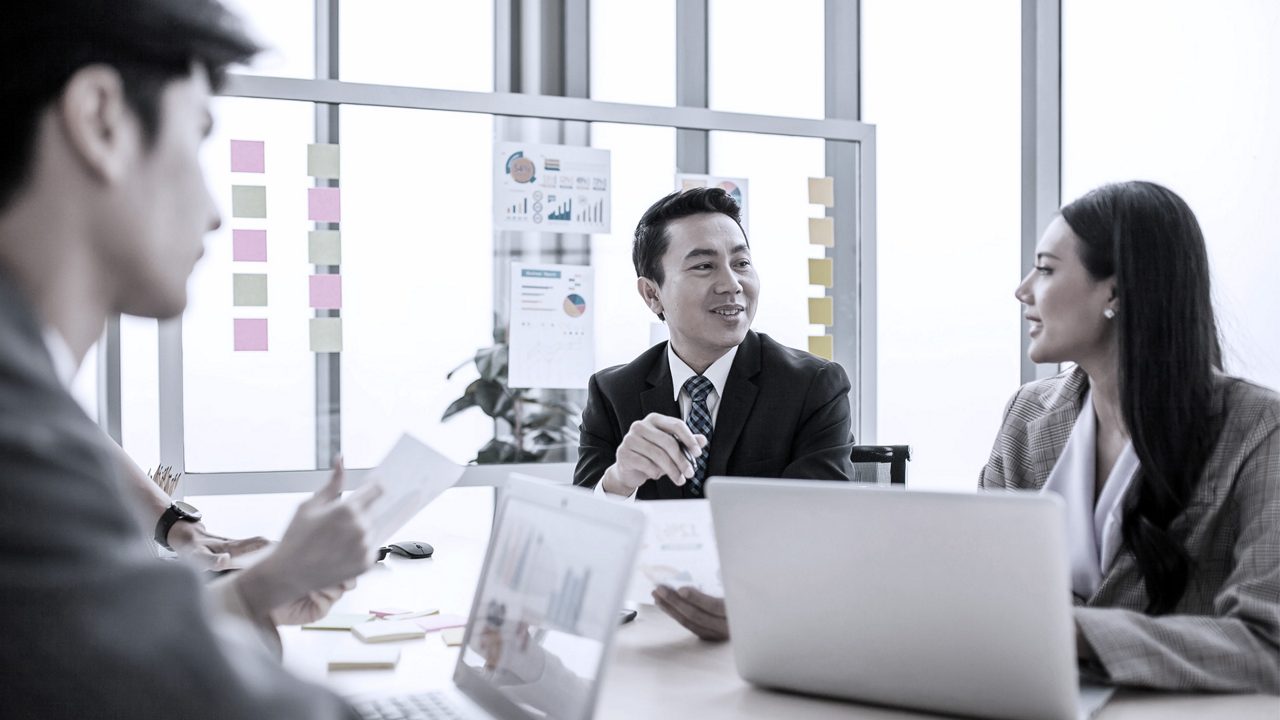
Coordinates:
422	706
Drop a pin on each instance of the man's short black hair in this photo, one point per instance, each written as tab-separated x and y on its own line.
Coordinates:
651	234
149	42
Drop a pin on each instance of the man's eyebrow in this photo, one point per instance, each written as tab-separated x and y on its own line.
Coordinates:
739	248
701	252
1048	255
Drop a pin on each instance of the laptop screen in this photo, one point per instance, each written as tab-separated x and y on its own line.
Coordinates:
546	607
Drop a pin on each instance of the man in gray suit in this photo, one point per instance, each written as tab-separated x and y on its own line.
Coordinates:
103	207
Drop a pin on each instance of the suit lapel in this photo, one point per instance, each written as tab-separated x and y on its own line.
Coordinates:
659	397
1047	435
740	392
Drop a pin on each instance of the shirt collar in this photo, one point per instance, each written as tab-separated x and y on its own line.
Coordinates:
64	361
718	373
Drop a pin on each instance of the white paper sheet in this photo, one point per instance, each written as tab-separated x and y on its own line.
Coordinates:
551	188
412	475
678	550
552	337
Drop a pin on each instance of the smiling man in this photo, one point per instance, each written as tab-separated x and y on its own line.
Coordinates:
719	398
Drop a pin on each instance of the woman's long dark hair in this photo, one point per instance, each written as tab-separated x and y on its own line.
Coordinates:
1146	237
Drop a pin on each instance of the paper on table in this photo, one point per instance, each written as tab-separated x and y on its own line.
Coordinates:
338	621
453	636
364	658
411	476
441	622
387	631
678	550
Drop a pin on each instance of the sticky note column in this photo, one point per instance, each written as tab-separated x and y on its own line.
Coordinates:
324	247
248	245
821	270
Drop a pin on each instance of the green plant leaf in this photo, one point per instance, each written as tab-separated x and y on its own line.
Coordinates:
457	406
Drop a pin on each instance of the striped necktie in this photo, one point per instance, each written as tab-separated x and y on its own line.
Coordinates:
699	422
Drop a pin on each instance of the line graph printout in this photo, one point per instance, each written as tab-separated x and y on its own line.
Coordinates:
552	343
551	188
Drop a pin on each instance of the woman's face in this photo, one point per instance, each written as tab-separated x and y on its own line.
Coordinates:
1064	303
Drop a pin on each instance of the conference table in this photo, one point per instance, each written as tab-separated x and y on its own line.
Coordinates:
657	668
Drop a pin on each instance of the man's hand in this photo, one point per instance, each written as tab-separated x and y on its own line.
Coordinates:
194	543
650	450
701	613
310	607
327	543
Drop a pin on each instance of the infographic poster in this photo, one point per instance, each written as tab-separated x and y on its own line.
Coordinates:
551	188
552	338
735	187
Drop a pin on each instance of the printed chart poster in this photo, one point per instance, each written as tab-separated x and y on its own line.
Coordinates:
552	341
551	188
735	187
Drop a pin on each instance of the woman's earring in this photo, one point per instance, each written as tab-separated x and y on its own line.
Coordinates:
1109	314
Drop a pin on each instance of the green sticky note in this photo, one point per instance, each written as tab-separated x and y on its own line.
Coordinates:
823	346
249	289
821	311
324	247
326	335
821	272
323	161
338	621
248	201
822	231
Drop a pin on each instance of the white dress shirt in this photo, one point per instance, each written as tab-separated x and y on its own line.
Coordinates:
1093	530
718	374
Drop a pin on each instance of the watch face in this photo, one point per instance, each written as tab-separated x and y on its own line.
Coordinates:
187	510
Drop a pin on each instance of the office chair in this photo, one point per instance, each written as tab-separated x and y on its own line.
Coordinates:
881	463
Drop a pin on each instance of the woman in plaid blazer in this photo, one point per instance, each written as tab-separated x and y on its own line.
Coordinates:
1189	596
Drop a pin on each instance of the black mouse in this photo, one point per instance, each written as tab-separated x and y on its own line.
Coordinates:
411	549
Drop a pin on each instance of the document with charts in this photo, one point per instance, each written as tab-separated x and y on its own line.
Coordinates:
678	549
552	338
550	188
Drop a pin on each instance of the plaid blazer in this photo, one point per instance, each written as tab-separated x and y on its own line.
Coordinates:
1224	635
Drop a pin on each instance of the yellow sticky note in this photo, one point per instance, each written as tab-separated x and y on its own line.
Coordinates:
326	337
821	272
822	231
248	201
822	346
323	161
453	636
822	191
821	311
249	289
324	247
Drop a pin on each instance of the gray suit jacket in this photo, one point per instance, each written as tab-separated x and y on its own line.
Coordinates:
1224	635
92	624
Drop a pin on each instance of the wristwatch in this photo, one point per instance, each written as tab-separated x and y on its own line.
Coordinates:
175	512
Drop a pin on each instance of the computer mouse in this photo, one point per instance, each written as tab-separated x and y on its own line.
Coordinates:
411	549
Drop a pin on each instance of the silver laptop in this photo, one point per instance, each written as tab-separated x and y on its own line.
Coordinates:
946	602
544	612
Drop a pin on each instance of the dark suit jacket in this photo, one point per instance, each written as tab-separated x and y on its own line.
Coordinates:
784	414
93	625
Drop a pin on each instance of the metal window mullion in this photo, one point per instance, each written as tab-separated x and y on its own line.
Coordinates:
328	366
852	168
1041	140
693	154
109	397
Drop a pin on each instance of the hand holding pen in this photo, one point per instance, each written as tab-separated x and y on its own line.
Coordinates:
657	446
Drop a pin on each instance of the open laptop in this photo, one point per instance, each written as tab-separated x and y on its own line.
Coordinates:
544	612
946	602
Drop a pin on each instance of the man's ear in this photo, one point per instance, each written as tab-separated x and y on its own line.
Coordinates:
101	129
649	293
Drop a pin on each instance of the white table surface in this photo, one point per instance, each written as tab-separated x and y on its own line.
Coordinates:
657	670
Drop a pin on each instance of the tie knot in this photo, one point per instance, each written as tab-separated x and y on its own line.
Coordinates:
698	388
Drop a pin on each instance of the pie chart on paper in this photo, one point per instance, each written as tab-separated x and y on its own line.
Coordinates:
575	305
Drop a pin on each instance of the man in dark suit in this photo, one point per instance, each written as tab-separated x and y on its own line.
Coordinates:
103	209
718	398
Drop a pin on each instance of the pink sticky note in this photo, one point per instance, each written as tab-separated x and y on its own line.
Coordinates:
324	204
248	156
326	292
249	245
251	334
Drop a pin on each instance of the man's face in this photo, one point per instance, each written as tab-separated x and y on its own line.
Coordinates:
161	209
709	291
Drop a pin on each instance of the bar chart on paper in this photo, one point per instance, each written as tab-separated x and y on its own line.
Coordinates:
551	188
